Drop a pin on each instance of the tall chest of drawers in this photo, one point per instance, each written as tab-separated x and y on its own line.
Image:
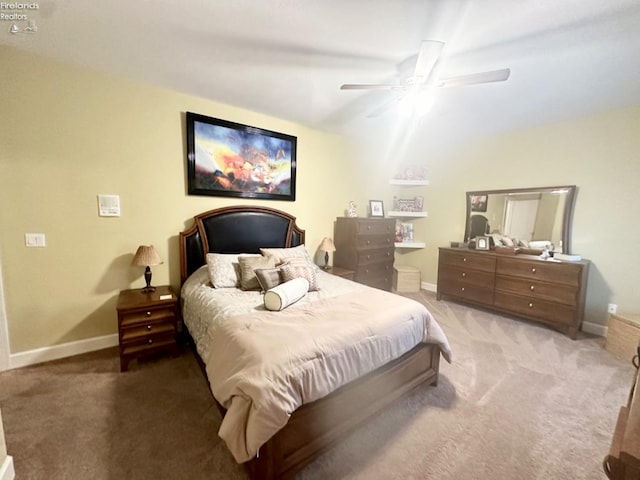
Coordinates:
549	292
366	246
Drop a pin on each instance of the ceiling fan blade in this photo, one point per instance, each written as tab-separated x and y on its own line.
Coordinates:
428	55
372	86
483	77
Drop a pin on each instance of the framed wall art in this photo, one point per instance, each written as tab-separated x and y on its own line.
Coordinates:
478	203
230	159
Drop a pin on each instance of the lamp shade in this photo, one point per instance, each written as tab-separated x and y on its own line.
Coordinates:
146	255
327	245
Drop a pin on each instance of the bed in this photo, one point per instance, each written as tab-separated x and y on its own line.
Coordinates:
284	404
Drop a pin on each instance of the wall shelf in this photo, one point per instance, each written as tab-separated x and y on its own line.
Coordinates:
396	214
410	245
395	181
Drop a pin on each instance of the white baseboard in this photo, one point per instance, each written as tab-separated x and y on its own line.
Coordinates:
587	327
64	350
6	469
594	329
430	287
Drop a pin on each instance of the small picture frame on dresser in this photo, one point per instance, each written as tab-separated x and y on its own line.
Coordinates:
376	208
482	243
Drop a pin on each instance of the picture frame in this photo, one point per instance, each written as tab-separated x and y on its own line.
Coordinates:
482	243
376	208
229	159
479	203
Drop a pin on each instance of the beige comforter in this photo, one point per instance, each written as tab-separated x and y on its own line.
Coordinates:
264	365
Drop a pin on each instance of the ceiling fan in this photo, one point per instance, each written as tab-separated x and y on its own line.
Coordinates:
425	74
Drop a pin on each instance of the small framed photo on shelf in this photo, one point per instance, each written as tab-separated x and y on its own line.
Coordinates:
376	208
482	243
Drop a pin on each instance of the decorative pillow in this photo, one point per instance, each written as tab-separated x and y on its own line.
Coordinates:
224	269
299	269
285	294
268	277
248	280
282	254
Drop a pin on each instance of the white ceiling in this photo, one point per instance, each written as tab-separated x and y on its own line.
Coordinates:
288	58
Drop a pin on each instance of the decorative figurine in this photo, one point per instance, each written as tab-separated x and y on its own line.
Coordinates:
353	210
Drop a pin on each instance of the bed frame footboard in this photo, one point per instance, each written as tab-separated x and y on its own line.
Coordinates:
316	427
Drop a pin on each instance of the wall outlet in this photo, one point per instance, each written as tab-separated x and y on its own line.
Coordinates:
612	308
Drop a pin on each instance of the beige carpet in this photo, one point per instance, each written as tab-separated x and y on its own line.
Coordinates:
520	401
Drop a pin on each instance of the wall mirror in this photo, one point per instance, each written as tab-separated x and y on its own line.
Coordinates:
533	217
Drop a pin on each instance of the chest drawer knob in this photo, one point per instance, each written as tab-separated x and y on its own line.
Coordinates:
464	259
388	254
368	242
530	305
148	314
533	270
464	274
368	227
151	340
532	288
149	327
462	289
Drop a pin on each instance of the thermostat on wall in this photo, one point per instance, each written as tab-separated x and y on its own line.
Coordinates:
109	205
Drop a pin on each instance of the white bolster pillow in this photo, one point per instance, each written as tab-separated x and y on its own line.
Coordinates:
280	297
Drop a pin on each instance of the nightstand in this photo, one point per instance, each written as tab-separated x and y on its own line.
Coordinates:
147	323
341	272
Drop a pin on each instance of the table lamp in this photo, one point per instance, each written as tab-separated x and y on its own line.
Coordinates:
145	256
326	246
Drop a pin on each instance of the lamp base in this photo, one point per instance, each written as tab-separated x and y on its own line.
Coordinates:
147	278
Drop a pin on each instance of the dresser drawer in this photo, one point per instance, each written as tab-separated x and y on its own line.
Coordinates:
374	241
552	292
552	312
466	276
466	291
375	273
367	257
374	227
564	273
468	260
147	331
146	316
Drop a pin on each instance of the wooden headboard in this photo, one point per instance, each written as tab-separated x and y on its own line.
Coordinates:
239	229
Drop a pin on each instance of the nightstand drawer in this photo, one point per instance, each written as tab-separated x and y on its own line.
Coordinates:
150	315
147	331
148	344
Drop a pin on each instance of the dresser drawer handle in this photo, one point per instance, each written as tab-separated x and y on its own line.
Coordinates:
368	242
464	274
530	305
533	270
532	288
148	314
462	289
368	257
149	327
368	227
388	254
464	259
150	340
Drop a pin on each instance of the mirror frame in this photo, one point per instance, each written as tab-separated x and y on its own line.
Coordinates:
568	210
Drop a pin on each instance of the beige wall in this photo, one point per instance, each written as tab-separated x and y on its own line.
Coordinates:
599	154
69	133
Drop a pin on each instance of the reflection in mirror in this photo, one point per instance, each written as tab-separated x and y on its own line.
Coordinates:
531	218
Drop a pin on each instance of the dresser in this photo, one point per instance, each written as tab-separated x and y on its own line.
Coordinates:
147	323
366	246
549	292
